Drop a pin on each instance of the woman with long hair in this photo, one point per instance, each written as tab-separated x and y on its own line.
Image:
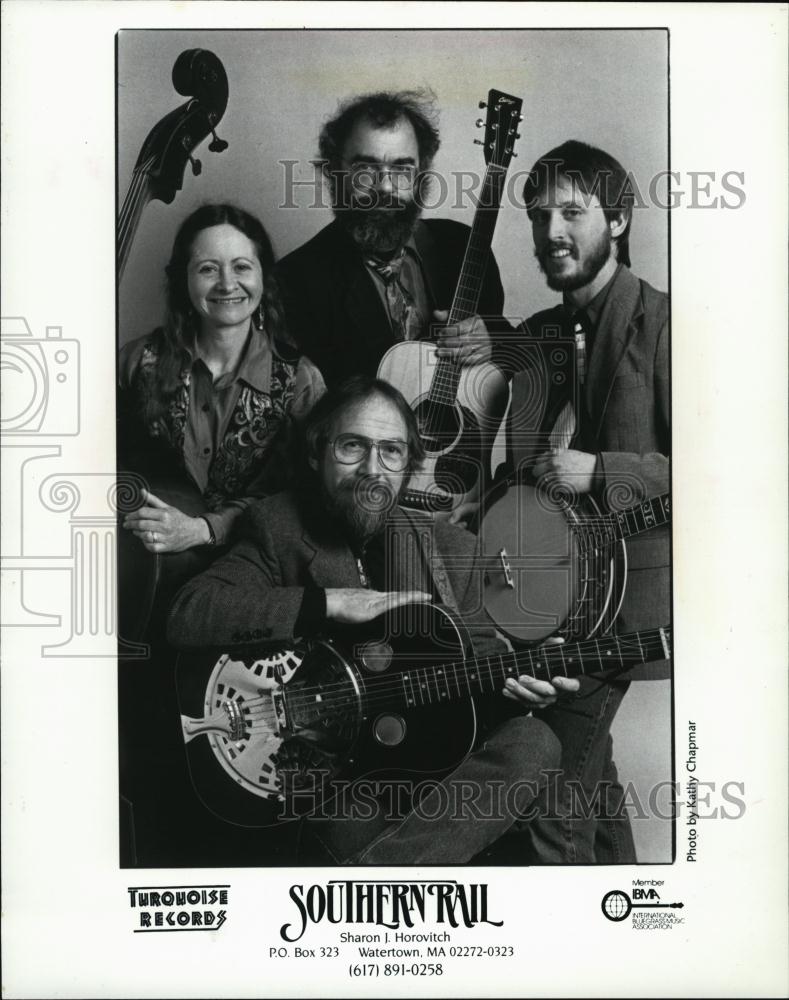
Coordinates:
212	395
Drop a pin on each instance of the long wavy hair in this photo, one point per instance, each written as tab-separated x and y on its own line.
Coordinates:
181	321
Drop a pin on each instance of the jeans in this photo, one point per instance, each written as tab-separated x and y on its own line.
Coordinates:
456	818
582	819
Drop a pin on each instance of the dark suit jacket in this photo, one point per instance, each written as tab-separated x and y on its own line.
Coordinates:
334	312
627	400
255	592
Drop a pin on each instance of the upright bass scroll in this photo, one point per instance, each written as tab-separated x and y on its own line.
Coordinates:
158	173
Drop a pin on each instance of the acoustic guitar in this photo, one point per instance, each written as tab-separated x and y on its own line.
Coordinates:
273	735
459	409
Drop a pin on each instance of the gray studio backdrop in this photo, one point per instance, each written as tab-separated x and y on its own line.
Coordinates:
606	87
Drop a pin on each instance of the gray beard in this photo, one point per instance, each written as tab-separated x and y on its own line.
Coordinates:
380	232
361	507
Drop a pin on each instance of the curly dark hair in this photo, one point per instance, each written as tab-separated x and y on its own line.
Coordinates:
181	324
381	110
597	173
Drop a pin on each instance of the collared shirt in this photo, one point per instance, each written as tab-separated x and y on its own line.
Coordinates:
212	401
232	434
413	280
594	308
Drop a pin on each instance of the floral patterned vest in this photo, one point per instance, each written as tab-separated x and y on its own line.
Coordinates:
257	420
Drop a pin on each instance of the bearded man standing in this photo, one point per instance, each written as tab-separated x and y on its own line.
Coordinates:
597	423
379	274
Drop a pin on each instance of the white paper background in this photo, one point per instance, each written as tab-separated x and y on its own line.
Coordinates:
67	925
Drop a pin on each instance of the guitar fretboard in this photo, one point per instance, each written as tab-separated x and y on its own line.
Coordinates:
443	389
486	675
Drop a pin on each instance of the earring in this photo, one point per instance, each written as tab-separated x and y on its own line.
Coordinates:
260	316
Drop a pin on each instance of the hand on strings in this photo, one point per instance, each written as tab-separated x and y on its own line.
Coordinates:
355	604
162	528
574	470
540	694
468	342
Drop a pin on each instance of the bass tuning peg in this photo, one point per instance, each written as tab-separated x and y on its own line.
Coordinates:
218	145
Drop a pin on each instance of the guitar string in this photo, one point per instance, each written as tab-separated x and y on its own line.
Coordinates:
507	662
441	692
486	678
447	374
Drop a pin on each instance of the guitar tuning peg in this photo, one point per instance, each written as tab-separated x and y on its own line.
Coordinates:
482	104
520	118
478	142
479	123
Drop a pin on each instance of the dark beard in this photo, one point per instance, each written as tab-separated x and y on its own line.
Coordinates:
380	232
361	507
593	265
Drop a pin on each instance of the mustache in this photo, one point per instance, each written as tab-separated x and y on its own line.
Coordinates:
540	252
370	493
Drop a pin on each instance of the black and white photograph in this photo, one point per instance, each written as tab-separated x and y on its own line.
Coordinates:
495	574
394	499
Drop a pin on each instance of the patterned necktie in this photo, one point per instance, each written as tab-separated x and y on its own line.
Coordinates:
399	300
569	424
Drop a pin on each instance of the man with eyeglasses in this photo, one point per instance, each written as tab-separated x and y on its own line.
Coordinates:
339	550
378	274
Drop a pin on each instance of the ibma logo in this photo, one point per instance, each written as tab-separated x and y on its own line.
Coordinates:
617	905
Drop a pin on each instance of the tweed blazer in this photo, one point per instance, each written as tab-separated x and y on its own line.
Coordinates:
627	401
255	592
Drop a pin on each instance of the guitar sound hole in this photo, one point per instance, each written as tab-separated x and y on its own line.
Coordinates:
438	425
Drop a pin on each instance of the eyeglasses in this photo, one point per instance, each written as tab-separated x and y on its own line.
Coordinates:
369	175
350	449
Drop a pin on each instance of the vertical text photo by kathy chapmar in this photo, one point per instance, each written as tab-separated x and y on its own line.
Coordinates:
394	436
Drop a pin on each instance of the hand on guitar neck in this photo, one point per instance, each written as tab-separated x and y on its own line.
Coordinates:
467	342
162	528
540	694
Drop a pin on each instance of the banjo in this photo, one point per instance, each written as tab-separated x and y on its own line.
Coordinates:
554	567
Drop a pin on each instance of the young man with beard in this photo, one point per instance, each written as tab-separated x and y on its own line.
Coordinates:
598	425
378	274
341	551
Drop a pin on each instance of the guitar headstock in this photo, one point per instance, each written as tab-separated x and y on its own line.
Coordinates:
501	127
199	75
